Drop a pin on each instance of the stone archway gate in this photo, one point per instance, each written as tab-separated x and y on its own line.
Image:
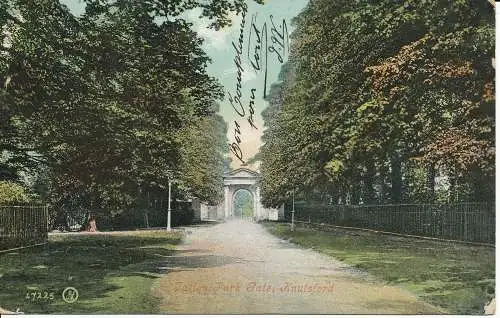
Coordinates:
235	180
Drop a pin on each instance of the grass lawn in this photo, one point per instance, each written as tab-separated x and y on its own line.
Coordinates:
458	278
113	273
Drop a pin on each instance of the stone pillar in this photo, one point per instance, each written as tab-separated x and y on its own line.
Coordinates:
258	205
227	203
196	205
281	213
220	210
203	211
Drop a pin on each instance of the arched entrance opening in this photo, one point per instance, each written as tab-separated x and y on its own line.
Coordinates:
241	199
243	204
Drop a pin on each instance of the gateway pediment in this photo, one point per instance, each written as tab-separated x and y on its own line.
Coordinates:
242	173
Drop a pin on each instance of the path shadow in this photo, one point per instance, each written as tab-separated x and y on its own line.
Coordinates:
194	250
84	262
180	263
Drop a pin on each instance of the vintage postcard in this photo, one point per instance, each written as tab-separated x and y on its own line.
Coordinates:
247	157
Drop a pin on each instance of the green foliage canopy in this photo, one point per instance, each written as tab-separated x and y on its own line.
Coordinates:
110	102
375	87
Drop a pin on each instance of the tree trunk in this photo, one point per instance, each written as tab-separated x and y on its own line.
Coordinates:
483	186
369	196
146	219
452	191
396	178
355	192
431	183
385	190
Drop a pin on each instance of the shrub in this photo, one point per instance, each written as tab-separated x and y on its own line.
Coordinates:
11	193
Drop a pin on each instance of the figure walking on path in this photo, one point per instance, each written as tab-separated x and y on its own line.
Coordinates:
91	225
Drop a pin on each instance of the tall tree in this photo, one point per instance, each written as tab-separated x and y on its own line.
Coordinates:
376	86
102	99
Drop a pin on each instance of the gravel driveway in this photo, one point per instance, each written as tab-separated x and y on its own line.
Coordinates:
237	267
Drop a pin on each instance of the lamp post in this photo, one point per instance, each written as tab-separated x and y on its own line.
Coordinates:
169	207
169	211
293	210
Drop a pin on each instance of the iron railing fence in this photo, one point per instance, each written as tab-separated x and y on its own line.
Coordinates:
127	219
469	222
22	226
